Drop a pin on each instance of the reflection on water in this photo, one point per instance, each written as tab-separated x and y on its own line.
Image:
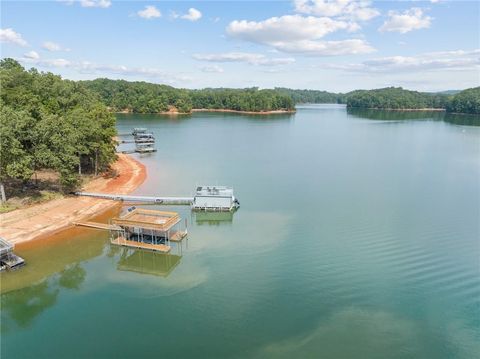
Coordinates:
213	218
54	255
23	305
72	277
463	120
147	262
383	115
150	120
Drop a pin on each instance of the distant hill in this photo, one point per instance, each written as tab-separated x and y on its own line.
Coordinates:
395	98
312	96
144	97
466	101
448	92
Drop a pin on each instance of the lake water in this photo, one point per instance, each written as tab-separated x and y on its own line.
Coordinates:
358	237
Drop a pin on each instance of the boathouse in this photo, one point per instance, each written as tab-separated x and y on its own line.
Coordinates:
147	229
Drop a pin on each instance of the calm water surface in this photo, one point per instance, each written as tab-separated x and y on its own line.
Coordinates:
357	237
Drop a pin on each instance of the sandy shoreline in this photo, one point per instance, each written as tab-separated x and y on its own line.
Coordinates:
39	221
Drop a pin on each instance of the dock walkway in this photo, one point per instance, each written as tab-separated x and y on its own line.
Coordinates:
145	199
96	225
122	241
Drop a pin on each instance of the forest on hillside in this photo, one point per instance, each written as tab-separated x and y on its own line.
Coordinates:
395	98
312	96
50	123
143	97
466	101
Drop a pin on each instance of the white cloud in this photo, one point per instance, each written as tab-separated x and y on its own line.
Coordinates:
211	68
95	3
444	60
347	9
285	28
59	63
245	57
89	3
192	15
10	36
32	55
299	34
53	46
150	12
412	19
327	48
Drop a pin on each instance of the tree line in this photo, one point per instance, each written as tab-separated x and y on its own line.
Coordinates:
397	98
312	96
50	123
143	97
466	101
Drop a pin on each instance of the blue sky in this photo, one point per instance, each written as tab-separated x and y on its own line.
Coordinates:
336	45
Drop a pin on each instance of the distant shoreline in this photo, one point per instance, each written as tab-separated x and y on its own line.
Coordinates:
398	109
273	112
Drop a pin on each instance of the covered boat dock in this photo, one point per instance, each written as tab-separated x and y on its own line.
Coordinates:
147	229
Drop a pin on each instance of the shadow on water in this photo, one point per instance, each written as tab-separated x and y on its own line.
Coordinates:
383	115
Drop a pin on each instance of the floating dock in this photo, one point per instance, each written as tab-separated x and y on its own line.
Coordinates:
144	141
207	198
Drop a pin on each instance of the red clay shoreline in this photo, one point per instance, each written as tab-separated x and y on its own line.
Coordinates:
213	110
43	220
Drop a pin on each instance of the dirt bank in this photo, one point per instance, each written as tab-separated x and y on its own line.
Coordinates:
175	112
45	219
